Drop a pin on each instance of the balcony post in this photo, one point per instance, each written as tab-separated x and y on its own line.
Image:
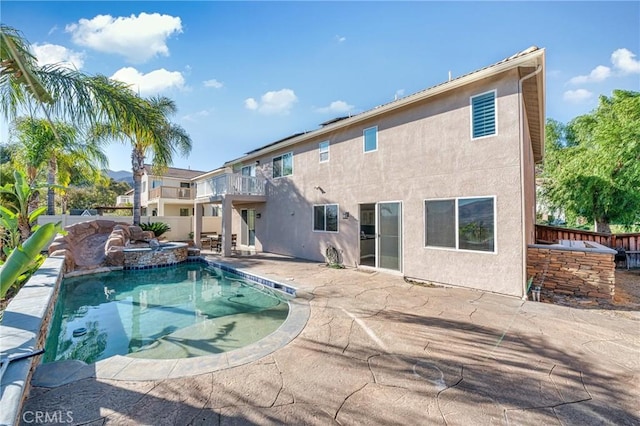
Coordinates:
197	225
226	226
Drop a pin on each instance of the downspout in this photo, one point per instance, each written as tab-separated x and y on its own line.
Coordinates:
523	215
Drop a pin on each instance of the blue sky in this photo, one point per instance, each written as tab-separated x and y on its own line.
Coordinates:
244	74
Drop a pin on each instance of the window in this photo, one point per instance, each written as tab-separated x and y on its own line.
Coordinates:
248	171
144	186
461	223
323	149
483	115
370	136
156	184
325	218
184	212
283	165
216	210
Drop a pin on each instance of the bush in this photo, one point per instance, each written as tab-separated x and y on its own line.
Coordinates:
158	228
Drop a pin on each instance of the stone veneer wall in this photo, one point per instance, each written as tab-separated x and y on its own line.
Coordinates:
572	272
143	258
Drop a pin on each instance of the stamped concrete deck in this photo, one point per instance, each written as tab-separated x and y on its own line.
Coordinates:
378	350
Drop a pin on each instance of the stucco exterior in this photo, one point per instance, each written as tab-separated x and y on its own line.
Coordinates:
425	151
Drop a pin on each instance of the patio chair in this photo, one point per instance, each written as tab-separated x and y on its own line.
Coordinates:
234	241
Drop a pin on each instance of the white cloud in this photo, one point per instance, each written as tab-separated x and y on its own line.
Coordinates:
151	83
213	83
599	73
577	96
275	102
137	38
399	93
56	54
336	107
341	39
251	103
197	115
622	60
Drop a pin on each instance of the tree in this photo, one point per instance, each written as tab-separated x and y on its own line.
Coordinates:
592	165
96	194
56	147
162	143
64	93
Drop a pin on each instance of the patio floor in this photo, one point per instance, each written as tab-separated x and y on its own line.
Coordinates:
379	350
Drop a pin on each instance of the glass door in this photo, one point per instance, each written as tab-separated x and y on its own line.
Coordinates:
389	253
248	228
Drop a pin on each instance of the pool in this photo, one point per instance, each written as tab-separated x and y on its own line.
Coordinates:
184	311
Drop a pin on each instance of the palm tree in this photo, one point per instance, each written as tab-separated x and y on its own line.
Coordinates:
56	146
64	93
162	142
83	99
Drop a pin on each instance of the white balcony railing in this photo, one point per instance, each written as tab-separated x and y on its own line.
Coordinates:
172	192
230	184
123	200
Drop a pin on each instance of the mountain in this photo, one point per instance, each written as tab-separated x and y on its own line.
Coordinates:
121	176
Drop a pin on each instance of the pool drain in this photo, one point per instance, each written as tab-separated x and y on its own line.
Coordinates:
79	332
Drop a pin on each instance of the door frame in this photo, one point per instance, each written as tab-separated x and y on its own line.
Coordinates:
244	228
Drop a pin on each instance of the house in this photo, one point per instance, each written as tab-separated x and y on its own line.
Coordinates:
169	194
125	200
437	186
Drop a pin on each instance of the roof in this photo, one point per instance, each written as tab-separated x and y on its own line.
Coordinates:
174	172
533	90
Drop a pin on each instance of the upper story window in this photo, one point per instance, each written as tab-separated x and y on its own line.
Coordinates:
283	165
323	149
370	137
483	115
156	183
461	223
248	171
325	218
144	186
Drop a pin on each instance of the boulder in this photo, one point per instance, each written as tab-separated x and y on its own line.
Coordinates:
115	256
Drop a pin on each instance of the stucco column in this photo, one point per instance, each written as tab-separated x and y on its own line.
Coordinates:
226	226
160	207
197	224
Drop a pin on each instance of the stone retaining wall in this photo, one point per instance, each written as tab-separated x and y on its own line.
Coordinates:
582	273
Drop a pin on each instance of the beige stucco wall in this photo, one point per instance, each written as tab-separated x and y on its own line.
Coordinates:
424	152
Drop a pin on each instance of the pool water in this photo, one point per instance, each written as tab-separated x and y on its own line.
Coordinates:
176	312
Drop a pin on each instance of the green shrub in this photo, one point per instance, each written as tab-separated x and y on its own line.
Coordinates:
158	228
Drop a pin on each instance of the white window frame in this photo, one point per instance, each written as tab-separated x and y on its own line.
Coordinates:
281	156
251	168
313	218
495	109
322	150
364	140
456	225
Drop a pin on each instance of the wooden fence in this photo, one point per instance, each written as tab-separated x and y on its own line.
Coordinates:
629	242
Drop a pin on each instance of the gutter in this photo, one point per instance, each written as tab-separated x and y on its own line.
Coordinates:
523	215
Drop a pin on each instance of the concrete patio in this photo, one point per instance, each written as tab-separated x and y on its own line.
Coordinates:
379	350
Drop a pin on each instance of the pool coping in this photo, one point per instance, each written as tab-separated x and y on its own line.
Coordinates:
24	328
121	367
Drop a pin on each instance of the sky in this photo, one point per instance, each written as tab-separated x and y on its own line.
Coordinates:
245	74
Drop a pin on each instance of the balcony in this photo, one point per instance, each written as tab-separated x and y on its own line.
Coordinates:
230	184
124	200
172	192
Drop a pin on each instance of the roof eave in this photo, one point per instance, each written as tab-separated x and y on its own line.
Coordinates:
529	58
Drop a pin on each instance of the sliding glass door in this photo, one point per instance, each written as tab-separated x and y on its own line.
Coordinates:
389	232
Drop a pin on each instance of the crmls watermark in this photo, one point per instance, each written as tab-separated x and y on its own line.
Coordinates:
43	417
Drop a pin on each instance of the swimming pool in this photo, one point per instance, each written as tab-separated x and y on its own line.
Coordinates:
183	311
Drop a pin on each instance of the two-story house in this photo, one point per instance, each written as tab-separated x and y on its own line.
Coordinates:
437	186
170	194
